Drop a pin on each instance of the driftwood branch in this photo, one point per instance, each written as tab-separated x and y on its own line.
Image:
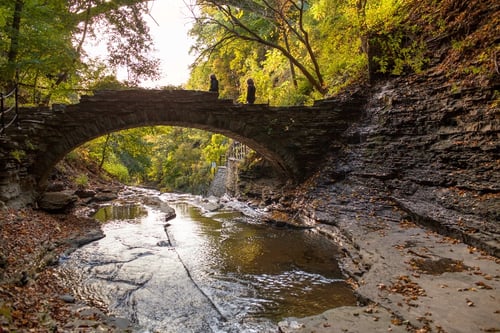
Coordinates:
495	62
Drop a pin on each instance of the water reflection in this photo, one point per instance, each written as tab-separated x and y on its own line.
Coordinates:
277	272
223	272
120	212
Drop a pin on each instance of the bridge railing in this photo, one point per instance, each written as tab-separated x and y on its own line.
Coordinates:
9	109
236	152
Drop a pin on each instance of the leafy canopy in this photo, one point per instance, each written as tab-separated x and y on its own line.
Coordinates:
300	50
42	45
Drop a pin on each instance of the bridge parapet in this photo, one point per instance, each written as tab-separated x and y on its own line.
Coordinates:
293	139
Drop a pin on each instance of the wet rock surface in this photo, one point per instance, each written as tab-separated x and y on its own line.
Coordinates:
408	277
438	157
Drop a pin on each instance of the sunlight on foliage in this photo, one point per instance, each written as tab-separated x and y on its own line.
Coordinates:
82	180
117	170
173	158
338	33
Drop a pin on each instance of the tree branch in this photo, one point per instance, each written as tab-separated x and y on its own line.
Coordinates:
250	35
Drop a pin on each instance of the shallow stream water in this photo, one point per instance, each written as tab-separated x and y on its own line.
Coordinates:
204	271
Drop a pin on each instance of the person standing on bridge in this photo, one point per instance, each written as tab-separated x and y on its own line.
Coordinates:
250	91
214	84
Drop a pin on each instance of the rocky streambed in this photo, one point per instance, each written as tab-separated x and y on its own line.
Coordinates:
408	278
34	296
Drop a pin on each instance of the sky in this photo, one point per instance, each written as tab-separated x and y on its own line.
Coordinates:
170	35
169	22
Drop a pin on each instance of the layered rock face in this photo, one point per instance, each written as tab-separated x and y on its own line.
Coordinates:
436	144
427	148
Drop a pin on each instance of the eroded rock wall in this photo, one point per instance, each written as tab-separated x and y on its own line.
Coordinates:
425	147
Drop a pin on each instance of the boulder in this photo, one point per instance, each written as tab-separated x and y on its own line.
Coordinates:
85	193
57	202
105	196
55	187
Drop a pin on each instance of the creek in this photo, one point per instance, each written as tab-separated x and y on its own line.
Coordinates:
204	270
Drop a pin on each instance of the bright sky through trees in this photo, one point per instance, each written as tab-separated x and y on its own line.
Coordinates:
169	23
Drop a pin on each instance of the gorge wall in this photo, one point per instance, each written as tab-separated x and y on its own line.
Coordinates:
424	147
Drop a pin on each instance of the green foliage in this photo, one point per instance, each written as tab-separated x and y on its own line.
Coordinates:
455	89
176	159
45	51
462	45
124	154
399	57
72	156
215	149
182	159
82	180
18	155
119	171
250	161
337	31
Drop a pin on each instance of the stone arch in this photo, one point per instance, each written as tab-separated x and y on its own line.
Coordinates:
108	112
46	161
293	139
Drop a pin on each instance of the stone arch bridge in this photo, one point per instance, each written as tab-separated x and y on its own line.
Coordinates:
292	139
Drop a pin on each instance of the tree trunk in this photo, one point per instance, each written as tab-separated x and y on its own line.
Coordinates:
292	67
14	45
104	149
365	42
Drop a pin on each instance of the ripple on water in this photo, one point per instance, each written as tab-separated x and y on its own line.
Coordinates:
220	274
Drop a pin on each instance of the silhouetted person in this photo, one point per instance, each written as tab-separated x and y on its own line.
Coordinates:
214	84
250	91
